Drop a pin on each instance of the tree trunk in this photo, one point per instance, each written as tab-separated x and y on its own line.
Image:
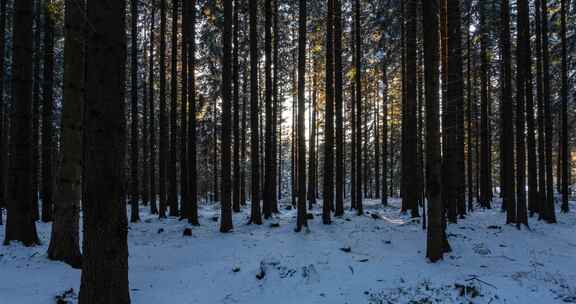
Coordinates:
236	104
64	241
173	159
184	206
549	213
540	101
301	220
48	116
328	189
338	103
163	136
152	118
105	264
36	109
564	98
20	224
485	140
522	95
255	216
192	196
507	155
134	197
385	136
3	116
410	173
269	180
226	204
436	236
358	100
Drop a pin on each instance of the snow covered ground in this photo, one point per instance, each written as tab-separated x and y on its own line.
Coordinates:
368	259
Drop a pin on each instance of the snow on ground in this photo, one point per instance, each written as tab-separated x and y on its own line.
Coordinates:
367	259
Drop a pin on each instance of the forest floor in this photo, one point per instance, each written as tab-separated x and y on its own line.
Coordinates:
375	258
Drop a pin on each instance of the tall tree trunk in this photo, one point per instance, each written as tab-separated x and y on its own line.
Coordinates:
312	160
236	109
301	220
192	196
521	101
485	138
338	103
469	100
564	98
532	172
64	240
328	189
540	101
268	159
226	204
549	213
454	98
184	206
173	159
48	116
152	117
20	224
105	248
507	155
134	197
255	216
385	135
36	108
3	116
410	173
436	237
163	136
358	100
275	173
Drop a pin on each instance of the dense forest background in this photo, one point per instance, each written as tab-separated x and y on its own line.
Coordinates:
450	105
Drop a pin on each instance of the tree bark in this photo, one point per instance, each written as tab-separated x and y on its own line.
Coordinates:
64	241
48	116
255	216
436	237
173	158
163	136
105	265
20	224
135	192
564	98
301	220
226	204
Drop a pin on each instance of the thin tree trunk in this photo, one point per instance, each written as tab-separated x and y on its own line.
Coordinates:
564	98
48	116
508	182
134	197
301	220
236	104
338	103
3	116
173	159
358	100
549	213
152	118
192	174
255	216
268	159
410	173
163	136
